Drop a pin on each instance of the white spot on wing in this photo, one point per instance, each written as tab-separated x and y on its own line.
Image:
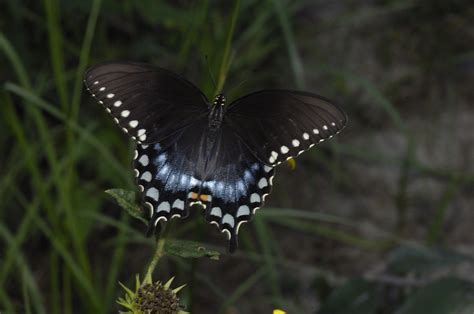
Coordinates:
164	206
238	226
227	232
133	123
96	82
178	204
146	176
325	127
243	211
118	103
110	95
144	160
262	183
228	219
153	193
306	136
267	169
284	149
101	89
216	211
254	198
315	131
295	143
160	218
150	206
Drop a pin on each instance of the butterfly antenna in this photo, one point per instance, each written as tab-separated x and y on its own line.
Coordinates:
210	72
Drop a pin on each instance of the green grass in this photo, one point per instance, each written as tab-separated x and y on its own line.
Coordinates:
64	244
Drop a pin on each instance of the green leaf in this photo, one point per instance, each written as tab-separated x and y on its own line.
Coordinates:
189	249
126	199
444	296
422	259
357	296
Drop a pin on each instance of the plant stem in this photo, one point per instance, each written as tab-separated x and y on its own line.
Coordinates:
159	252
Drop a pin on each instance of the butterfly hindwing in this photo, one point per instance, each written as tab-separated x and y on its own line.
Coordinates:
237	183
217	172
147	102
167	173
279	124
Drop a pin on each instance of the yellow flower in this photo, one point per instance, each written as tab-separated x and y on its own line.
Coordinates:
278	311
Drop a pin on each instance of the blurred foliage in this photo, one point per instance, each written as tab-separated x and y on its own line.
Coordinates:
64	245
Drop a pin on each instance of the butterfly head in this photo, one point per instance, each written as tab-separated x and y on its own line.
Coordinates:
219	100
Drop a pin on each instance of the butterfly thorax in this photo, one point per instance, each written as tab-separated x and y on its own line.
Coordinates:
216	112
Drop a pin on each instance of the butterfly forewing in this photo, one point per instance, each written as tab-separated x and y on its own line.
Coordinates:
148	103
279	124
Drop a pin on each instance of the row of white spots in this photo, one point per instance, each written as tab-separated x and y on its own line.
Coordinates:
296	143
125	113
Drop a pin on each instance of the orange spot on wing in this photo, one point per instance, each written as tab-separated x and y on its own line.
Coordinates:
204	197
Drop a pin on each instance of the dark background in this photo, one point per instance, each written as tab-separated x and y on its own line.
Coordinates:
378	220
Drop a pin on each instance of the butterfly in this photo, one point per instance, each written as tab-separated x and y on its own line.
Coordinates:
192	151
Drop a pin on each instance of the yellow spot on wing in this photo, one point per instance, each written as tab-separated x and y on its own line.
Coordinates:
292	163
204	197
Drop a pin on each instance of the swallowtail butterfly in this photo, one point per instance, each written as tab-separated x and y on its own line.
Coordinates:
193	151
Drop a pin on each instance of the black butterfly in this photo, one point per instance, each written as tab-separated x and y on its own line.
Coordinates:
192	151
